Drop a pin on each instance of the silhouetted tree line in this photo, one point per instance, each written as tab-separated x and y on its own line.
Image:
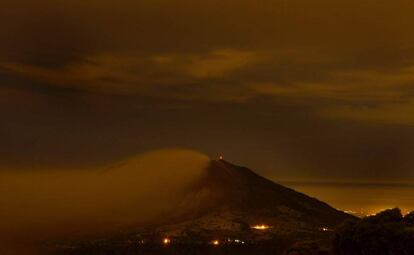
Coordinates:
387	233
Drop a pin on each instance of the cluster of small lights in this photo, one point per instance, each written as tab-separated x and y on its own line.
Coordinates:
167	241
364	213
235	241
217	242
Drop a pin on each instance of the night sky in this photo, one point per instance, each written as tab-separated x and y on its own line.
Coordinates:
294	89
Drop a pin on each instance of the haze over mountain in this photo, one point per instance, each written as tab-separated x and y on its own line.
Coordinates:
316	96
230	198
170	192
52	205
231	205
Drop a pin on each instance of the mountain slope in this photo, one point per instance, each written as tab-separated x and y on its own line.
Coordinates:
231	206
230	199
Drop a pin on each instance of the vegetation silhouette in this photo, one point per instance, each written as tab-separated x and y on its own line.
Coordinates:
386	233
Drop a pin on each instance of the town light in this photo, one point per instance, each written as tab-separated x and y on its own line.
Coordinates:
325	229
261	227
166	241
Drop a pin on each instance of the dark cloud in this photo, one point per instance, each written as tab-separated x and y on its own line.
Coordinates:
296	88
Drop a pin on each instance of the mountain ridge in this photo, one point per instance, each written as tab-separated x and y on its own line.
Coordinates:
232	199
231	206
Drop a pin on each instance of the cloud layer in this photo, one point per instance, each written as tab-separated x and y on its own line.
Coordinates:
134	192
310	87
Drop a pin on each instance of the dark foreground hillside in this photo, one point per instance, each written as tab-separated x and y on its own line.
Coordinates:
386	233
270	248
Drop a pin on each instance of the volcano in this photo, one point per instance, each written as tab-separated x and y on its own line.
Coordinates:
230	200
231	208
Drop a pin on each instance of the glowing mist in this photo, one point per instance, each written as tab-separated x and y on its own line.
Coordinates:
59	204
